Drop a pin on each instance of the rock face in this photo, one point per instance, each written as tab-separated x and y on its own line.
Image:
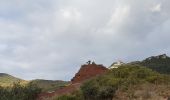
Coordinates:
116	64
88	71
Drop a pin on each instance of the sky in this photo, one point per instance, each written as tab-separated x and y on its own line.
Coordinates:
51	39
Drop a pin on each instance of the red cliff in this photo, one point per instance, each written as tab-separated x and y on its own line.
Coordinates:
88	71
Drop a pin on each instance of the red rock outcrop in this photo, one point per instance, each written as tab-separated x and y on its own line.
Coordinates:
88	71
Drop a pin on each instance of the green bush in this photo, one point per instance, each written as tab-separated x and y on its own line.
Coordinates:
66	97
19	92
76	95
90	90
104	87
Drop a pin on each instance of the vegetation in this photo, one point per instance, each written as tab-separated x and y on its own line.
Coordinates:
12	88
145	91
8	80
159	63
46	85
49	85
128	82
105	87
77	95
19	92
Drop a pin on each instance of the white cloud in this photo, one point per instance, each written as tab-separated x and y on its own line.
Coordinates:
119	14
71	13
57	36
156	8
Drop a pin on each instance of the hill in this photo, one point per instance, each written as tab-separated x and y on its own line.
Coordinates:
86	72
127	82
7	80
160	63
45	85
139	80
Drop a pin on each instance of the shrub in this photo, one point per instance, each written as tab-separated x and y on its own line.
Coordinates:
104	87
97	89
19	92
76	95
90	90
66	97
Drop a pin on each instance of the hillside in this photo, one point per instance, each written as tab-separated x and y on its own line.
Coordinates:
128	82
160	63
86	72
139	80
49	85
45	85
7	80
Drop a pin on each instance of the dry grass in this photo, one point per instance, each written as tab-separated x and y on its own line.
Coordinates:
144	92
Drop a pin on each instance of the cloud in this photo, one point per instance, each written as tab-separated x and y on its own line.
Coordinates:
156	8
44	39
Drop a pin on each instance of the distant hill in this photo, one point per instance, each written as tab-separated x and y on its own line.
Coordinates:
7	80
45	85
49	85
160	63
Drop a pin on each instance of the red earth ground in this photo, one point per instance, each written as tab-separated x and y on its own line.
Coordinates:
86	72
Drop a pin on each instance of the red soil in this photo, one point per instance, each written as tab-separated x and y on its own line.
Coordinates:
86	72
